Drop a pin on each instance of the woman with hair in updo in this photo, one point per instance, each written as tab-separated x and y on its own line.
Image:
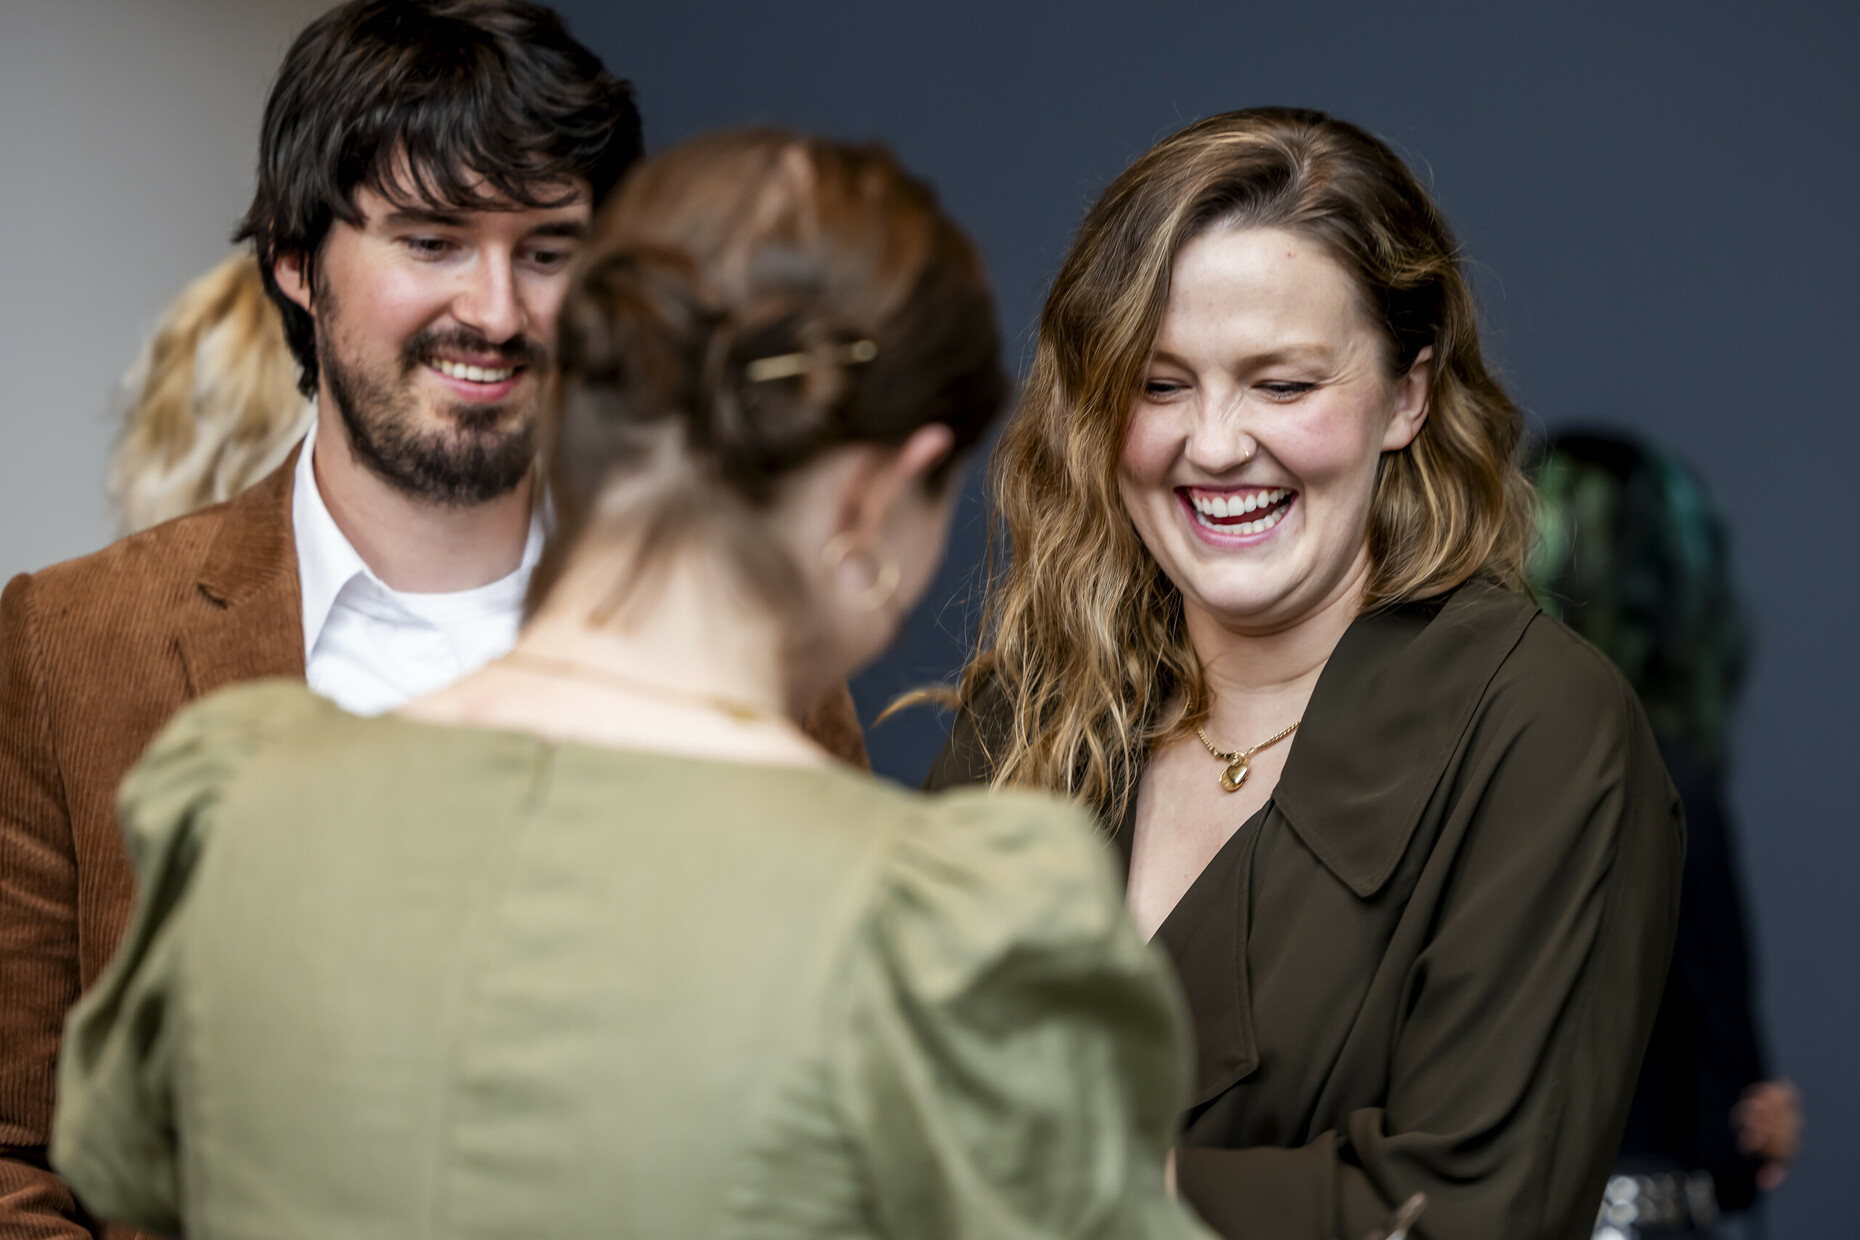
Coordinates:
597	940
1407	840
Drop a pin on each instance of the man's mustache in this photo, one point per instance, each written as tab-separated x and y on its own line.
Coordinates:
429	346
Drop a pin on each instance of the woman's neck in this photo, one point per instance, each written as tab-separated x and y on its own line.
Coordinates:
686	625
685	665
1260	680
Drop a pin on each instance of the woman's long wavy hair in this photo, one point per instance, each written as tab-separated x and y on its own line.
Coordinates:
1083	649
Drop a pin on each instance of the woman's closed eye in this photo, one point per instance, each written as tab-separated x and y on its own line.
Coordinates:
1285	389
1163	389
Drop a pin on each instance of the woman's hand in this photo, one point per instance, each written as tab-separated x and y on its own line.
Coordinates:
1768	1119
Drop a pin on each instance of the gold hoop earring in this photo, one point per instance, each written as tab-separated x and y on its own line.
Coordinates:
883	586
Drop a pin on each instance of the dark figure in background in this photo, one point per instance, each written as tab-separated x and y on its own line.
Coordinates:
1633	556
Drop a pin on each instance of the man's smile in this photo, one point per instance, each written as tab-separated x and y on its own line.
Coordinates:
474	373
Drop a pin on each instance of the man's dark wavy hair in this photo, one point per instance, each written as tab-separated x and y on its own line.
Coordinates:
479	102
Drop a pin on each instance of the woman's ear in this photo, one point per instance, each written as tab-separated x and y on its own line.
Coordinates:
1410	411
928	447
288	271
873	492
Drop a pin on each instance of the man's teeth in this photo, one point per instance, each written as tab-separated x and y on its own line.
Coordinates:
474	374
1208	507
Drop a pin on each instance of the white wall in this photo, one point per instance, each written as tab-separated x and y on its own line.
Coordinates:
128	136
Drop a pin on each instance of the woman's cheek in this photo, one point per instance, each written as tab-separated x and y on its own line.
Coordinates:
1137	464
1332	448
1142	465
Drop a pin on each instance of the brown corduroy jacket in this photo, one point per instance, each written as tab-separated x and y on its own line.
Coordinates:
96	654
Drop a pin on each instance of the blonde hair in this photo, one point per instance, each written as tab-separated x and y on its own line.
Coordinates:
1083	643
214	403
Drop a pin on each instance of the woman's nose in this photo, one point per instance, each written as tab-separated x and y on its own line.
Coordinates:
1218	440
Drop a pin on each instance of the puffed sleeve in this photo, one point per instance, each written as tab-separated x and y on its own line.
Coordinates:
113	1137
1012	1057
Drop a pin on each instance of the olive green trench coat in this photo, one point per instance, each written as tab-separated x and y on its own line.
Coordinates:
1431	961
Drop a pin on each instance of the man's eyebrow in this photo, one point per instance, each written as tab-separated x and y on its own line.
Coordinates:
426	217
572	229
419	217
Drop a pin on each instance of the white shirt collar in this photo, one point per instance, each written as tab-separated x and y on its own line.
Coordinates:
327	561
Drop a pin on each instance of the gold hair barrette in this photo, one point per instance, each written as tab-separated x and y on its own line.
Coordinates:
788	365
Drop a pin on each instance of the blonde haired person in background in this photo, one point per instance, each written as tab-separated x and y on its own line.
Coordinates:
214	404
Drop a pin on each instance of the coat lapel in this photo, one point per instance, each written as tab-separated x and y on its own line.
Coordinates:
1205	935
1385	719
248	622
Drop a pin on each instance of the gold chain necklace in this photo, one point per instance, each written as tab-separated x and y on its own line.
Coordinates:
735	708
1237	768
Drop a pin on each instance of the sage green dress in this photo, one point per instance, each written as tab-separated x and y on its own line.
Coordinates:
391	979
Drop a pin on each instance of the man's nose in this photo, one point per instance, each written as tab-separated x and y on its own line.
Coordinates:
491	303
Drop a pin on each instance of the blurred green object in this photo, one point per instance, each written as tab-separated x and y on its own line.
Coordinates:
1634	554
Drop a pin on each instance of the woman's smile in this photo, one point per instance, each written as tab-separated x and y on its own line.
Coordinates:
1235	516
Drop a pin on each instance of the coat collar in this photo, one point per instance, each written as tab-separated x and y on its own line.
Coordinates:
1386	716
252	626
1384	720
1382	724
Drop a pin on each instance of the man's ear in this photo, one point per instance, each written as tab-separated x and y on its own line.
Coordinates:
288	271
1410	412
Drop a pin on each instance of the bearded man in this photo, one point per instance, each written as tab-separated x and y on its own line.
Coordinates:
426	172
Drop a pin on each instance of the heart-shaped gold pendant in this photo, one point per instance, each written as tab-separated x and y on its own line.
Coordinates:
1234	775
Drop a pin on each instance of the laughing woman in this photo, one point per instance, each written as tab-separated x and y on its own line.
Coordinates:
1408	841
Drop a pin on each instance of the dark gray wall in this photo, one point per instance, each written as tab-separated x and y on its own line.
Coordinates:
1658	201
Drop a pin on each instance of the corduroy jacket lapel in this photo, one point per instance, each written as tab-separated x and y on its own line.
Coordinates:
245	622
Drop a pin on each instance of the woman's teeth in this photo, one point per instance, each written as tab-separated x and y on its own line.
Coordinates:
474	374
1216	511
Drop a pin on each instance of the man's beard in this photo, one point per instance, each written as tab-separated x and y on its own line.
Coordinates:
469	462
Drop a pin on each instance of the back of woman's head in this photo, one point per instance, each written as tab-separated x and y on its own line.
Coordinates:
1633	554
750	301
1084	632
213	400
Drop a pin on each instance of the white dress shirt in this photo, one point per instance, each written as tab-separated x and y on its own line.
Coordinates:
369	648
